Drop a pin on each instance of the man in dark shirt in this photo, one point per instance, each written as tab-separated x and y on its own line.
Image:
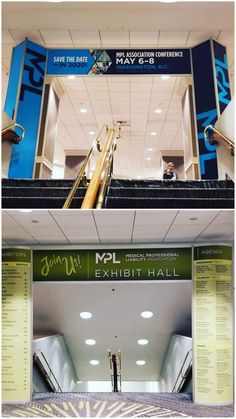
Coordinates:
169	173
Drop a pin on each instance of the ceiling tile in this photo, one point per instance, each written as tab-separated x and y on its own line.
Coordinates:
7	38
20	35
90	38
144	38
196	37
56	37
115	38
180	233
202	217
226	37
169	38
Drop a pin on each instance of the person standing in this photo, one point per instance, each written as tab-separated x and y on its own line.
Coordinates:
169	173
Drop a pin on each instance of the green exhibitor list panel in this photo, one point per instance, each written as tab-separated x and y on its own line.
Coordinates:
16	325
213	324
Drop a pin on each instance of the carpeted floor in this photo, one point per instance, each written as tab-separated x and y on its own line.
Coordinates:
113	405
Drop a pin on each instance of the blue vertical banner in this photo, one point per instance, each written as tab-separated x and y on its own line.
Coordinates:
205	105
14	79
28	110
222	76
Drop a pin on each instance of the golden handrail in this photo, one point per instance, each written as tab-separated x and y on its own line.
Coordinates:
11	127
107	174
94	184
229	142
82	170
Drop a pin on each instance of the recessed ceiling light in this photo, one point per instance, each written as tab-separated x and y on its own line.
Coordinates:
140	362
90	342
71	77
153	133
83	110
142	341
85	315
158	110
138	177
148	158
94	362
150	149
91	132
147	314
25	210
165	77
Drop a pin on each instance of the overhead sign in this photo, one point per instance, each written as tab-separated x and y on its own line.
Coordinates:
112	265
121	61
213	325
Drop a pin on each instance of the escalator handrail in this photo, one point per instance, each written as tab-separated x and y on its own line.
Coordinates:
11	127
180	372
51	372
80	175
215	130
107	174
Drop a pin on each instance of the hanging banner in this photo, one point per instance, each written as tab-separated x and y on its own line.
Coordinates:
222	76
205	106
213	325
120	61
16	325
112	264
28	110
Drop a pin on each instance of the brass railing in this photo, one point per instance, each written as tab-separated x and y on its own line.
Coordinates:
107	173
10	128
101	173
217	136
80	176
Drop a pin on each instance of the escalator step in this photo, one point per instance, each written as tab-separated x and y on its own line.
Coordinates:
130	202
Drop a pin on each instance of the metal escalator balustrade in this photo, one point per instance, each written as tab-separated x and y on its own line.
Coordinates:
102	171
40	360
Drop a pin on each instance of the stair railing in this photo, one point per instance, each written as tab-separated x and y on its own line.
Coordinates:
46	370
18	138
107	174
102	168
80	176
218	137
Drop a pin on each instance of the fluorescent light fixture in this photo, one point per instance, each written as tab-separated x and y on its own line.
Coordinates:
165	77
158	110
140	362
90	342
153	133
148	158
83	110
147	314
138	177
91	132
150	149
85	315
142	341
71	77
94	362
25	210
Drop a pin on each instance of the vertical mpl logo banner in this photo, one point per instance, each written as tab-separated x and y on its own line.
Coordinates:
205	106
28	110
222	76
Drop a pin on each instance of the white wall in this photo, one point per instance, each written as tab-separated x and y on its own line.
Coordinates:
126	386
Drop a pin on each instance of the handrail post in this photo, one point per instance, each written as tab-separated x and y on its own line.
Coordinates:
91	193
